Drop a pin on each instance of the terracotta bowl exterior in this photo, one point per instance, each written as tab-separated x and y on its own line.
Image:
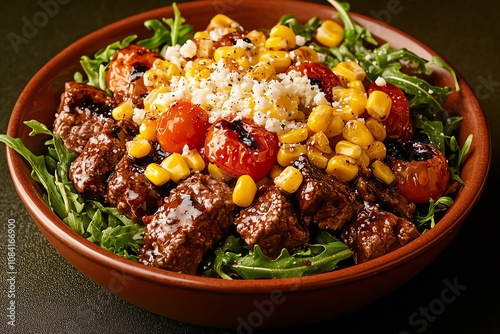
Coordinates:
236	303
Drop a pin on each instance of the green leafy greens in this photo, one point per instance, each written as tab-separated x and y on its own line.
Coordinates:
167	32
104	226
233	259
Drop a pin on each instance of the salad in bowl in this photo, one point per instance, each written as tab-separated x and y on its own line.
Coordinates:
237	153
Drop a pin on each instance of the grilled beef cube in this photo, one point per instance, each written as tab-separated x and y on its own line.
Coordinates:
272	223
323	198
82	113
374	232
130	191
193	219
374	191
91	169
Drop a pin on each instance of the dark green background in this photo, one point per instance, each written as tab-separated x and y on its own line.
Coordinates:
53	297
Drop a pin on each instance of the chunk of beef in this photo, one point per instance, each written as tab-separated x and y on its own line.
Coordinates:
91	169
130	191
374	191
193	219
82	113
272	223
374	232
324	198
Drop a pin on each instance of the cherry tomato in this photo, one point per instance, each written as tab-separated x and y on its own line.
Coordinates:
124	77
240	147
399	124
421	170
319	74
184	123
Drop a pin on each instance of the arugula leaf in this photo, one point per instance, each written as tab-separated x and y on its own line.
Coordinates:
102	225
428	221
233	258
97	67
159	38
179	32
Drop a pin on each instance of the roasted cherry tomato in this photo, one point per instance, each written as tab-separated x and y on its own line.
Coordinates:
421	170
240	147
124	77
399	124
184	123
318	74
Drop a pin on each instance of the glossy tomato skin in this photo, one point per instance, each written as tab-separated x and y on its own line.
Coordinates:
184	123
399	124
421	171
318	74
241	147
125	75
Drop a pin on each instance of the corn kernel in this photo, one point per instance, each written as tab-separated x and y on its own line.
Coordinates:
376	150
150	106
124	110
357	84
275	171
256	37
262	71
356	132
294	136
349	149
320	142
348	71
363	161
200	69
289	180
304	53
160	74
138	147
317	158
289	152
383	172
222	21
335	127
147	129
342	167
379	105
355	99
233	55
201	35
244	191
194	160
217	173
377	129
330	34
320	118
176	166
157	174
280	60
280	38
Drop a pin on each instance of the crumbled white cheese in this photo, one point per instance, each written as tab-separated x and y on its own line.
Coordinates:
188	50
300	40
380	81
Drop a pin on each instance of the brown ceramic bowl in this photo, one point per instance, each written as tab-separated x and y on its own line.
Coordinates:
226	303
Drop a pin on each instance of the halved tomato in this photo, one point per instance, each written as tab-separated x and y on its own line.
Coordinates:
421	170
184	123
399	124
241	147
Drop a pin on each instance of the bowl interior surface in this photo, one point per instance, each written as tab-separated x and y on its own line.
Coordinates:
41	97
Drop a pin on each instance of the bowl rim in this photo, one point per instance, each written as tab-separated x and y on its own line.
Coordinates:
56	227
